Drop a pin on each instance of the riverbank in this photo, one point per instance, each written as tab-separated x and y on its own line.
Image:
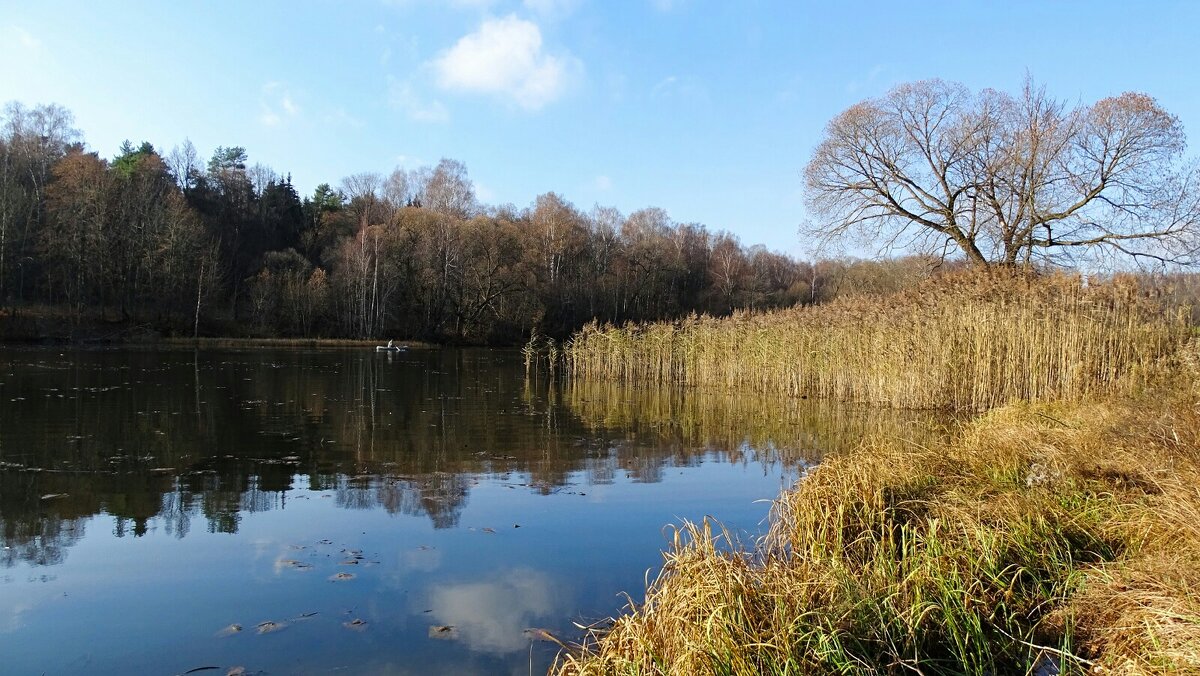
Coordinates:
1041	534
212	343
42	325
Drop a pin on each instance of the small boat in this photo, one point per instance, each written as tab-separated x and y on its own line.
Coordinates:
389	347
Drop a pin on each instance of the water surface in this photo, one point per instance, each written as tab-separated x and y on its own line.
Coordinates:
354	512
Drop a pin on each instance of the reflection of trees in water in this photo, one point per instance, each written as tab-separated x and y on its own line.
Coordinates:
440	496
161	439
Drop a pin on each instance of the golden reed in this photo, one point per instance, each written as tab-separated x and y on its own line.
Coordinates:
966	342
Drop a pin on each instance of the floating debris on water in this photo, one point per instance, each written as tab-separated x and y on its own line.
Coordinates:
342	576
269	627
230	630
356	624
446	632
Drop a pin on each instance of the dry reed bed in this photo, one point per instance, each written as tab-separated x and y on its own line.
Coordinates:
968	342
1043	532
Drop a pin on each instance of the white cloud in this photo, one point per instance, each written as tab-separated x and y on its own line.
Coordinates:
403	97
484	193
685	88
664	85
22	40
504	58
26	39
341	117
868	81
492	615
276	105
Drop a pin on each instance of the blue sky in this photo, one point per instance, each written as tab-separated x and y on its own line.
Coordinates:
709	110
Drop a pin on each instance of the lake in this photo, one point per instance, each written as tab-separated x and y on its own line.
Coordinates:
308	511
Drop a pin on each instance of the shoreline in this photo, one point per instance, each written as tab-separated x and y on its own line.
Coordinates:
212	342
1041	537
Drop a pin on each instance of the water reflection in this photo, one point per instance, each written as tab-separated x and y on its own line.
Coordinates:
493	615
445	488
164	439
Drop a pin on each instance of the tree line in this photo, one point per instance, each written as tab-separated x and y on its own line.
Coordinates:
219	246
185	245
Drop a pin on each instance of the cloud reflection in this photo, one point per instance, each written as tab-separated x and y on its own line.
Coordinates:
490	616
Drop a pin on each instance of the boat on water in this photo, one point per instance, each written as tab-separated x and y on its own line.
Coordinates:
390	347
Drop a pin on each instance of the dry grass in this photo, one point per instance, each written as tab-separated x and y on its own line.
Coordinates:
1069	531
968	342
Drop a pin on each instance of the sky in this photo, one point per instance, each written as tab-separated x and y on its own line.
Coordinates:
709	110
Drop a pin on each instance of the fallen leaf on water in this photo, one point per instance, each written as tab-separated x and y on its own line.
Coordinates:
305	616
54	496
269	626
356	624
198	669
342	576
348	562
443	631
489	530
236	671
230	630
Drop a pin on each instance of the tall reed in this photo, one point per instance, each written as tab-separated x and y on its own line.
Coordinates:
967	342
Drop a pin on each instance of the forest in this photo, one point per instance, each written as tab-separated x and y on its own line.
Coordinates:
171	244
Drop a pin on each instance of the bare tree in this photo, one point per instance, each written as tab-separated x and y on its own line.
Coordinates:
447	189
396	191
32	140
185	165
362	191
1007	180
261	176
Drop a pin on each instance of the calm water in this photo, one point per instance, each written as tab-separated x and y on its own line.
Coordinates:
414	513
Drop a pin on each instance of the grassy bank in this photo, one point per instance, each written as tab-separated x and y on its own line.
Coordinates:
1042	532
962	342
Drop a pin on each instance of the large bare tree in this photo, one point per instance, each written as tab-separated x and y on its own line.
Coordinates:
1007	180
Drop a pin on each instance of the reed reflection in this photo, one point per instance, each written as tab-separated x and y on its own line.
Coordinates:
178	440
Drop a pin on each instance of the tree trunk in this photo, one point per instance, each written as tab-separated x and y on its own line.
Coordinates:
199	294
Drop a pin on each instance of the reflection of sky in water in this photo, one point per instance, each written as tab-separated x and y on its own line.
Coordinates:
491	615
218	488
